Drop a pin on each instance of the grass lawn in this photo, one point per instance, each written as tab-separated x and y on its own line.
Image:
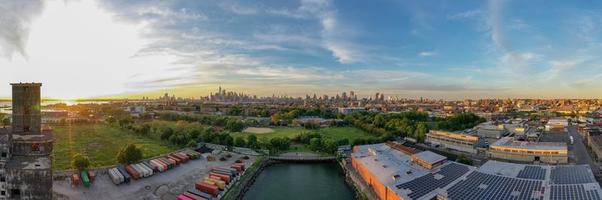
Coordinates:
100	142
335	133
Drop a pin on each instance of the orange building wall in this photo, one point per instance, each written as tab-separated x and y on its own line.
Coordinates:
382	191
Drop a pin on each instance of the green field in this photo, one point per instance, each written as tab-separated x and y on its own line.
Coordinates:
335	133
100	142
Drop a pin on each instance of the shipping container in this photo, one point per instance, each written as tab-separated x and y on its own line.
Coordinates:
229	173
176	160
85	179
150	166
126	177
133	173
149	169
233	171
183	155
217	182
223	177
200	194
162	166
193	196
91	175
180	157
206	188
237	167
192	154
147	172
242	165
170	162
115	176
140	171
183	197
220	179
160	161
75	179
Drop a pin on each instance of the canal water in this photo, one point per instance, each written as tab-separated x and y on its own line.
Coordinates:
300	181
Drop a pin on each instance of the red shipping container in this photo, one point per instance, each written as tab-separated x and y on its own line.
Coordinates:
175	160
192	196
184	155
91	175
75	180
132	172
206	188
223	177
178	156
183	197
237	168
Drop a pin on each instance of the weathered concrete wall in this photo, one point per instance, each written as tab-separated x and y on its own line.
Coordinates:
29	184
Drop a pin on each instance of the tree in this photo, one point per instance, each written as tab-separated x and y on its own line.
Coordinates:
329	146
315	144
192	143
420	132
239	142
167	132
80	162
129	154
379	120
235	125
252	142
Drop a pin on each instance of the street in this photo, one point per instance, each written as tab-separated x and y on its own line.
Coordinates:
579	150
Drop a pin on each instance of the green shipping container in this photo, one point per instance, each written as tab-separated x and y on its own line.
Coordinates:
85	178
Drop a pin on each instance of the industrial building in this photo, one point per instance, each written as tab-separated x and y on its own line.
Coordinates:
507	148
455	141
556	124
397	175
26	148
490	130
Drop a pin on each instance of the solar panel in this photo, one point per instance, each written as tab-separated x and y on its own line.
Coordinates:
427	183
571	175
561	192
486	186
532	172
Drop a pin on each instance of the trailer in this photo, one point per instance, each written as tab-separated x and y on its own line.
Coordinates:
126	177
115	176
85	179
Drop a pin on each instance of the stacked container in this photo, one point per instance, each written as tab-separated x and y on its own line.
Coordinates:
193	196
200	194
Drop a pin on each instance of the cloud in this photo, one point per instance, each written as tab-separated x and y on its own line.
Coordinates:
427	54
15	20
466	15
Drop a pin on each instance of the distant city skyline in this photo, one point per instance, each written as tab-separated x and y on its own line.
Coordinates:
439	49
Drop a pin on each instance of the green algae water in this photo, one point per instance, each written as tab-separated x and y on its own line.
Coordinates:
300	181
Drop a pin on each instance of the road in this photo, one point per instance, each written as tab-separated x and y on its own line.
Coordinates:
579	150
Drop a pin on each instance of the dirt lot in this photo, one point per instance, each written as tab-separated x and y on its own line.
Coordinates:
257	130
166	185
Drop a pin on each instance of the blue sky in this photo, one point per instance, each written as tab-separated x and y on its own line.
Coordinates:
438	49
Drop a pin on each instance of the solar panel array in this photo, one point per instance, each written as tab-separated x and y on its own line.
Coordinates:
532	172
486	186
561	192
571	175
427	183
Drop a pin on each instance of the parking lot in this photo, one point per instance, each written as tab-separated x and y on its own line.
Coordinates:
166	185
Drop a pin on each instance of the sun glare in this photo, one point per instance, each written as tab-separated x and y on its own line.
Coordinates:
75	46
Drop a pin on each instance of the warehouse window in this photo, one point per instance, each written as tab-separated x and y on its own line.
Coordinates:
15	193
4	154
3	193
35	147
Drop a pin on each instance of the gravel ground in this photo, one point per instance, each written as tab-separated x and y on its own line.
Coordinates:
166	185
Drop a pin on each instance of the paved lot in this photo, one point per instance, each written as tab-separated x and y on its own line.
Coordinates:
579	150
166	185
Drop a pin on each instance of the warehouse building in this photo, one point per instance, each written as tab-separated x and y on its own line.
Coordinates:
395	175
455	141
556	124
525	151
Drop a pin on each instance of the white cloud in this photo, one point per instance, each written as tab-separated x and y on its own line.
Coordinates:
427	54
15	24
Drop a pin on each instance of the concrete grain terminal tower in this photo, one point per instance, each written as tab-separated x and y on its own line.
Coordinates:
26	148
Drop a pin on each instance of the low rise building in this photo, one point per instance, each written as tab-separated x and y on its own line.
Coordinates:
490	130
556	124
396	173
525	151
455	141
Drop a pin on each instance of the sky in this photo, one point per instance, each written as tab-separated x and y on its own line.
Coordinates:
444	49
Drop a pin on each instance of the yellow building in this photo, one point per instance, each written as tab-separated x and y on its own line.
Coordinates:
455	141
548	152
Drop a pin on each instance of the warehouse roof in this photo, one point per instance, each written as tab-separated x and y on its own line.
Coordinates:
509	142
430	157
